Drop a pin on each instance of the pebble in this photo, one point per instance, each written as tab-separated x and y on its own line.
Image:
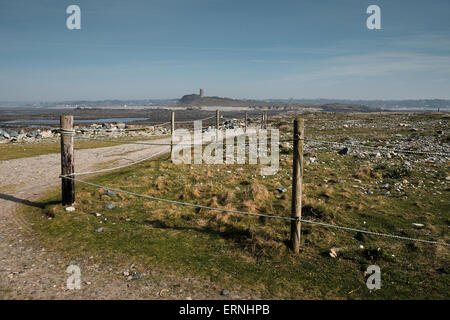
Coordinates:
343	151
110	193
110	205
70	209
99	230
334	252
224	292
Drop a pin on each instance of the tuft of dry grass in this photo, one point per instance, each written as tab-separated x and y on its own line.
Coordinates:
367	173
258	192
160	183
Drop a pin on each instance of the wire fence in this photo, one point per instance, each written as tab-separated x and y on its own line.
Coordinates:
333	143
152	126
73	177
223	210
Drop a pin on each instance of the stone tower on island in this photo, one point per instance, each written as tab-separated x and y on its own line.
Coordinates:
202	93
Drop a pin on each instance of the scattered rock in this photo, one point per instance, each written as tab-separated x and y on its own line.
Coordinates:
281	190
135	276
70	209
312	159
110	205
334	252
343	151
99	230
224	292
418	225
110	193
12	133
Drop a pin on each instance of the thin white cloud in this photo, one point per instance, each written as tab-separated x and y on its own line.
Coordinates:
376	65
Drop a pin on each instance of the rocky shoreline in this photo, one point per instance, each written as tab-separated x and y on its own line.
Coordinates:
105	129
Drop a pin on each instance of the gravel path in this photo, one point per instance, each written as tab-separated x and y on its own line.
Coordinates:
29	271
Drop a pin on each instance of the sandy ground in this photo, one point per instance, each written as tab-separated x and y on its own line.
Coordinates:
30	271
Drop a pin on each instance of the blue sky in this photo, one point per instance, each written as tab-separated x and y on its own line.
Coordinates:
140	49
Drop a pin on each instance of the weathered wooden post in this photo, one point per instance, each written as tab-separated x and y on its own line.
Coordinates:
246	121
262	120
67	160
265	119
217	124
172	130
297	182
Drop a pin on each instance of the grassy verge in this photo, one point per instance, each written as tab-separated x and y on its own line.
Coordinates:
11	151
241	251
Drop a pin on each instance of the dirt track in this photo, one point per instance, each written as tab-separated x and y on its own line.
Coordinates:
29	271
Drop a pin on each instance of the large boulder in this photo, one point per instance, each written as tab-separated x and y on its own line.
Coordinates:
12	133
32	134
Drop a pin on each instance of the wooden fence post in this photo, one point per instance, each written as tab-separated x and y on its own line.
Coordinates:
297	182
262	120
172	129
217	124
265	119
67	160
246	121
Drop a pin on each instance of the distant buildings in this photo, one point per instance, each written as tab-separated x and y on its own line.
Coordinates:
202	93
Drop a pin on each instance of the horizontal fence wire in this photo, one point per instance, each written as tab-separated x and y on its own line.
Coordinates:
118	167
165	143
141	128
333	143
254	214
